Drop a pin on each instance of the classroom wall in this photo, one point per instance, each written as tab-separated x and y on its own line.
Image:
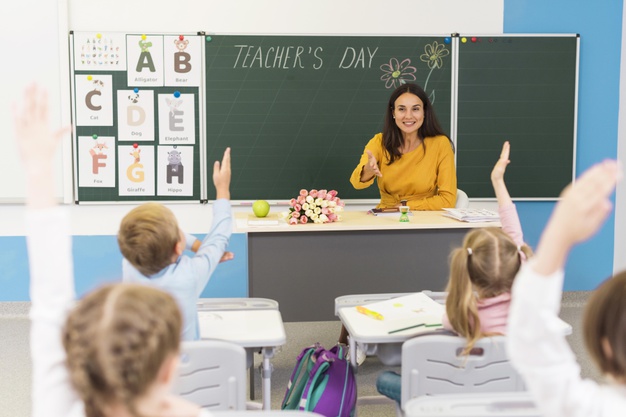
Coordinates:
95	226
619	260
601	33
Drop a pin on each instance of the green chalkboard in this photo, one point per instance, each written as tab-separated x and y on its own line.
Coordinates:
297	111
521	89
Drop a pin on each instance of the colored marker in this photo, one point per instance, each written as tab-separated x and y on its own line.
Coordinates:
414	327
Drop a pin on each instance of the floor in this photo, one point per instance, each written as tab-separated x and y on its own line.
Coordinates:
15	366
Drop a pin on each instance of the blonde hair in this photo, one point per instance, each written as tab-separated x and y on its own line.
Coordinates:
116	339
484	267
148	236
604	321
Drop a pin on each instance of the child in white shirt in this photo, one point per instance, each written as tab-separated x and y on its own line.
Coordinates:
535	342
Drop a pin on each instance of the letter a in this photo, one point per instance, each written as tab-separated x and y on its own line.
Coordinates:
145	61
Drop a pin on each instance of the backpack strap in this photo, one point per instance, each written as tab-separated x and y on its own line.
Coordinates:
299	377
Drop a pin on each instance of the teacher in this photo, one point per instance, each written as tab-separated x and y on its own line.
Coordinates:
412	158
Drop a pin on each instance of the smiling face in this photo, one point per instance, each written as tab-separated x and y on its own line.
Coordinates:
408	111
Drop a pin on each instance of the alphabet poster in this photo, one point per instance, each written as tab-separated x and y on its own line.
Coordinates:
177	122
136	170
95	94
174	162
96	158
136	98
135	115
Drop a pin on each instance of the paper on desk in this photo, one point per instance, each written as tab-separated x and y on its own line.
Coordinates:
417	307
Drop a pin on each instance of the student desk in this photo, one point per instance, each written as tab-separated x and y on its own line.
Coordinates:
374	334
251	327
476	404
306	266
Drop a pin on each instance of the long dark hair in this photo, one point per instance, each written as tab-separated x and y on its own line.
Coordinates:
392	135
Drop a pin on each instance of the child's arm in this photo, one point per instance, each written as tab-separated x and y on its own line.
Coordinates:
194	244
50	259
535	341
508	213
213	247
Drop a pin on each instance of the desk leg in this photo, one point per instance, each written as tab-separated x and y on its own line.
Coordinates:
252	382
352	351
268	353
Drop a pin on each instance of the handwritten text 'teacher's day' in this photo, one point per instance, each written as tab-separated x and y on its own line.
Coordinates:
287	57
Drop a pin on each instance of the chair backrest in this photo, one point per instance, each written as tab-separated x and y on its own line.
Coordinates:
498	404
433	364
462	200
212	374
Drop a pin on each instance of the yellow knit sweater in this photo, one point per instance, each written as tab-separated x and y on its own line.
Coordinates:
425	177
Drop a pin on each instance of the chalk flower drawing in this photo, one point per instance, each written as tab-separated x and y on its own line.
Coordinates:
433	54
397	73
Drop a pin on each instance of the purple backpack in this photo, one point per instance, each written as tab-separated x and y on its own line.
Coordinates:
322	382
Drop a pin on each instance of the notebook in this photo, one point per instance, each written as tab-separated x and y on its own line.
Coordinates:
419	307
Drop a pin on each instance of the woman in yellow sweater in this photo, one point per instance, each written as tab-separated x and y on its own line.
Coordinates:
412	158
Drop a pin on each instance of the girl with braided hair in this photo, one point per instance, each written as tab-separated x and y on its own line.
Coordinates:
113	353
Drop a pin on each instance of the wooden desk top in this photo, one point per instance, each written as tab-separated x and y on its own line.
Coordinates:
360	220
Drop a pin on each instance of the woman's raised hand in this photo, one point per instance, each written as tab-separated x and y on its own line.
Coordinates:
372	165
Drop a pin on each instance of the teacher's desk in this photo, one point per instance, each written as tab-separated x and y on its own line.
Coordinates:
306	266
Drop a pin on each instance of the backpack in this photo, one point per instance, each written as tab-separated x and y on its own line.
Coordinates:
322	382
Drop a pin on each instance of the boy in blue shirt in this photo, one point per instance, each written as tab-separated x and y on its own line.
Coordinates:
152	245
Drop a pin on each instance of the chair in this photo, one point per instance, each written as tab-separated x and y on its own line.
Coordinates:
501	404
462	200
212	374
433	364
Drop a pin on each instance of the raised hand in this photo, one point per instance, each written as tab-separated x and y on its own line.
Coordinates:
372	165
583	208
497	176
221	176
497	173
37	144
35	140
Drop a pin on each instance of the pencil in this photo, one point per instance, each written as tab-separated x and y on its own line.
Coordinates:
413	327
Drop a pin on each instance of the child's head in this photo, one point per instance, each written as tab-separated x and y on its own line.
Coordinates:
484	267
604	326
148	237
117	340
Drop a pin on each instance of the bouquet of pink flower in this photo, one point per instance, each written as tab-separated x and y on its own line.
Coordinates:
315	207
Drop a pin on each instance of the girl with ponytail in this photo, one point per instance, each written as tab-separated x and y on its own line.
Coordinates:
483	269
481	276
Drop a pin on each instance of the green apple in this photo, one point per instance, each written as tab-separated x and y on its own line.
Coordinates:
261	208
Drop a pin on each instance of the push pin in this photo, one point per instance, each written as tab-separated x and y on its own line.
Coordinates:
176	94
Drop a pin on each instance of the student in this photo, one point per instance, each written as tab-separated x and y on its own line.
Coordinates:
412	159
152	245
535	344
115	352
481	276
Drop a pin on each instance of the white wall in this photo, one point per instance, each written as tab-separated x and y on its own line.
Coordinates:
619	248
36	31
